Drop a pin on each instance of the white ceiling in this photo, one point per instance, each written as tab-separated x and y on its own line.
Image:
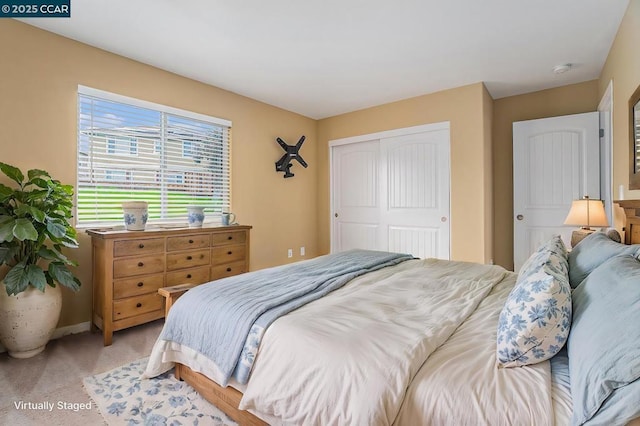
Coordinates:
321	58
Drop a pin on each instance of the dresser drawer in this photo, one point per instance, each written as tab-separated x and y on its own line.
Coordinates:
188	276
138	266
227	270
137	305
187	242
135	286
227	254
138	247
187	259
231	237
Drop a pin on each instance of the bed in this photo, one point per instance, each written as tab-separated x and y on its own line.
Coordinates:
418	342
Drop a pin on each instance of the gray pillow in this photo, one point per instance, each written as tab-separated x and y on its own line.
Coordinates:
591	252
603	349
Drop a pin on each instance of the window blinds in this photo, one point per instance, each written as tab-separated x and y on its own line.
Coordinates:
135	150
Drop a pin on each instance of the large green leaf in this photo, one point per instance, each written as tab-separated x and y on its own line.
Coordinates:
35	196
5	192
69	243
34	212
6	230
24	230
60	273
17	279
12	173
68	189
34	173
36	277
56	228
41	183
48	254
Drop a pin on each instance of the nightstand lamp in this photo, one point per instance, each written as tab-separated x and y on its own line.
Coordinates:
585	213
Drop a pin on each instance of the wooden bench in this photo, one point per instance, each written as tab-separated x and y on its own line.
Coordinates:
171	294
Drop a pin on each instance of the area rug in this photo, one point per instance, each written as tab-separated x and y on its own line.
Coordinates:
124	399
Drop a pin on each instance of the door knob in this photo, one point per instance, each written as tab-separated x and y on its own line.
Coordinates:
443	219
519	217
335	214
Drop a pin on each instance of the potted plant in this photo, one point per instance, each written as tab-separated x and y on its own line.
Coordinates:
34	227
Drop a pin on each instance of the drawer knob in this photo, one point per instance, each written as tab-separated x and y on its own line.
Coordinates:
229	237
141	245
228	269
202	256
139	305
190	241
188	275
229	252
140	264
140	284
189	257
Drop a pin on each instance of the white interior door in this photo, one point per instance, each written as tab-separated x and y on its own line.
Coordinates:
390	191
416	194
555	161
356	197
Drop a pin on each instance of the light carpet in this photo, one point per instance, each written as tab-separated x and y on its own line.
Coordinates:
125	399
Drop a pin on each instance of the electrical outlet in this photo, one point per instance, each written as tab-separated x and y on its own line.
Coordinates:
290	253
302	251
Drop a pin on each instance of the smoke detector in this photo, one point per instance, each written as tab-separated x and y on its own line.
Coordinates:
561	69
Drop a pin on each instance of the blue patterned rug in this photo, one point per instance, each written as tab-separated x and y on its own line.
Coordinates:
124	399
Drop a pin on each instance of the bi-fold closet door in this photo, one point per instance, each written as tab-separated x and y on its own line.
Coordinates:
390	191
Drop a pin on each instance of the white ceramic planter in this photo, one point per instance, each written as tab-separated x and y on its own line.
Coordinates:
136	214
28	319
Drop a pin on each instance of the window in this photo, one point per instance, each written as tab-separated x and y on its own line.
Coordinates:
135	150
119	145
187	149
116	175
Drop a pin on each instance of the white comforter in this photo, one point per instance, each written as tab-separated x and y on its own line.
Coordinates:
349	358
460	383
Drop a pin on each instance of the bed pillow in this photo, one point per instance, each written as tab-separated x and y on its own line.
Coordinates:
535	320
591	252
553	252
604	354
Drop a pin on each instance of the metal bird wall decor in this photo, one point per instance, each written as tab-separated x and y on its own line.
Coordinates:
291	153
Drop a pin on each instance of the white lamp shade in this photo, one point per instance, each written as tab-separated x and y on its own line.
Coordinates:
586	213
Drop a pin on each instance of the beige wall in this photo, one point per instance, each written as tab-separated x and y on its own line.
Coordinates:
466	109
573	99
39	76
623	67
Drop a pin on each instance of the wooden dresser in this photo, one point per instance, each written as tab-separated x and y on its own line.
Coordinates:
130	266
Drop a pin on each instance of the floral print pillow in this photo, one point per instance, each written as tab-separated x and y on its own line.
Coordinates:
535	320
554	253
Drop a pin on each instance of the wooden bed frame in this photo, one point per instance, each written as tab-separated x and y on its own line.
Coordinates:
632	226
227	399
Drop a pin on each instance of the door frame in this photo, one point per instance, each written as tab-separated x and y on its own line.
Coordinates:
605	108
444	125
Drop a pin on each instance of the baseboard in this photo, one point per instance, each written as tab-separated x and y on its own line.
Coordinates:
64	331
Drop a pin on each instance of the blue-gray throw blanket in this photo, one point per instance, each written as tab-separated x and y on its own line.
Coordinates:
224	320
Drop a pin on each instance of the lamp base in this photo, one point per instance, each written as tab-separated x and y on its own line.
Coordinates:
579	235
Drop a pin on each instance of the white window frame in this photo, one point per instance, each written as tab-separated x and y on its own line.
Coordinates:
108	96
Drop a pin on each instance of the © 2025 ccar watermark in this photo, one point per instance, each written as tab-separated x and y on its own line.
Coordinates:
35	9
